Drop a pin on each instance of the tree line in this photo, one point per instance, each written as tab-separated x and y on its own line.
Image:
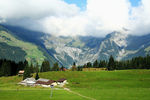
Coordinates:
10	68
112	64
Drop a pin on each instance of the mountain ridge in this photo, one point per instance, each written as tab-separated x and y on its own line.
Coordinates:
33	52
83	49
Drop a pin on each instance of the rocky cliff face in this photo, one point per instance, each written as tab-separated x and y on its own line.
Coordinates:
82	49
69	49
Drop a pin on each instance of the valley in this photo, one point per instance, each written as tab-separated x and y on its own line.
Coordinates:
80	49
105	85
74	50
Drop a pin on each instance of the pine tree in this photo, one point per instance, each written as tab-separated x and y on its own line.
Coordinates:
31	68
36	69
79	68
96	64
89	65
42	67
55	67
102	64
74	67
25	64
111	63
27	72
74	64
5	69
85	66
62	68
2	70
147	62
37	76
45	66
21	66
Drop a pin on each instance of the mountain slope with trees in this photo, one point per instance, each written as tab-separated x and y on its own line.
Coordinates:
13	48
79	49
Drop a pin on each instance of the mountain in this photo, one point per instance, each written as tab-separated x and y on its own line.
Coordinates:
84	49
15	48
79	49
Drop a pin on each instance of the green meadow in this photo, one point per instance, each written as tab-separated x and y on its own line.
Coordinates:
31	50
97	85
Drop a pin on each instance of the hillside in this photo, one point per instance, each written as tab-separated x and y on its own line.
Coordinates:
79	49
99	85
11	52
14	48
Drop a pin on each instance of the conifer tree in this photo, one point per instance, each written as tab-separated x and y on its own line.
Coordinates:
74	67
25	63
5	69
31	68
55	67
37	76
79	68
27	72
96	64
62	68
37	68
45	66
102	64
89	65
111	63
85	66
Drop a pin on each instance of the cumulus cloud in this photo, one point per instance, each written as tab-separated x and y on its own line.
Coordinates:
29	13
139	19
59	18
109	14
36	8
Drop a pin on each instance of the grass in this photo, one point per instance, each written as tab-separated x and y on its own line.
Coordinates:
37	95
101	85
32	50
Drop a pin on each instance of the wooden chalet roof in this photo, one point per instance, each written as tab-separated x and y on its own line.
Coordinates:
45	83
61	80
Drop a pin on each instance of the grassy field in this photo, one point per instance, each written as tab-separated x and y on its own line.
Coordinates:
100	85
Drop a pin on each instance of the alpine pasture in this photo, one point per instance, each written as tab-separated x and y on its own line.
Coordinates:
89	85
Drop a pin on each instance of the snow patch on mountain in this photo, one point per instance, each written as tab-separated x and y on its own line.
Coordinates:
120	38
121	54
124	53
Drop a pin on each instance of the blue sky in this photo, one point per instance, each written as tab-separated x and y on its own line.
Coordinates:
135	2
79	3
82	3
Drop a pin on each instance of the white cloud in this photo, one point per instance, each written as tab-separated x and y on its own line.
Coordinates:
109	14
29	13
35	8
59	18
65	25
139	20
